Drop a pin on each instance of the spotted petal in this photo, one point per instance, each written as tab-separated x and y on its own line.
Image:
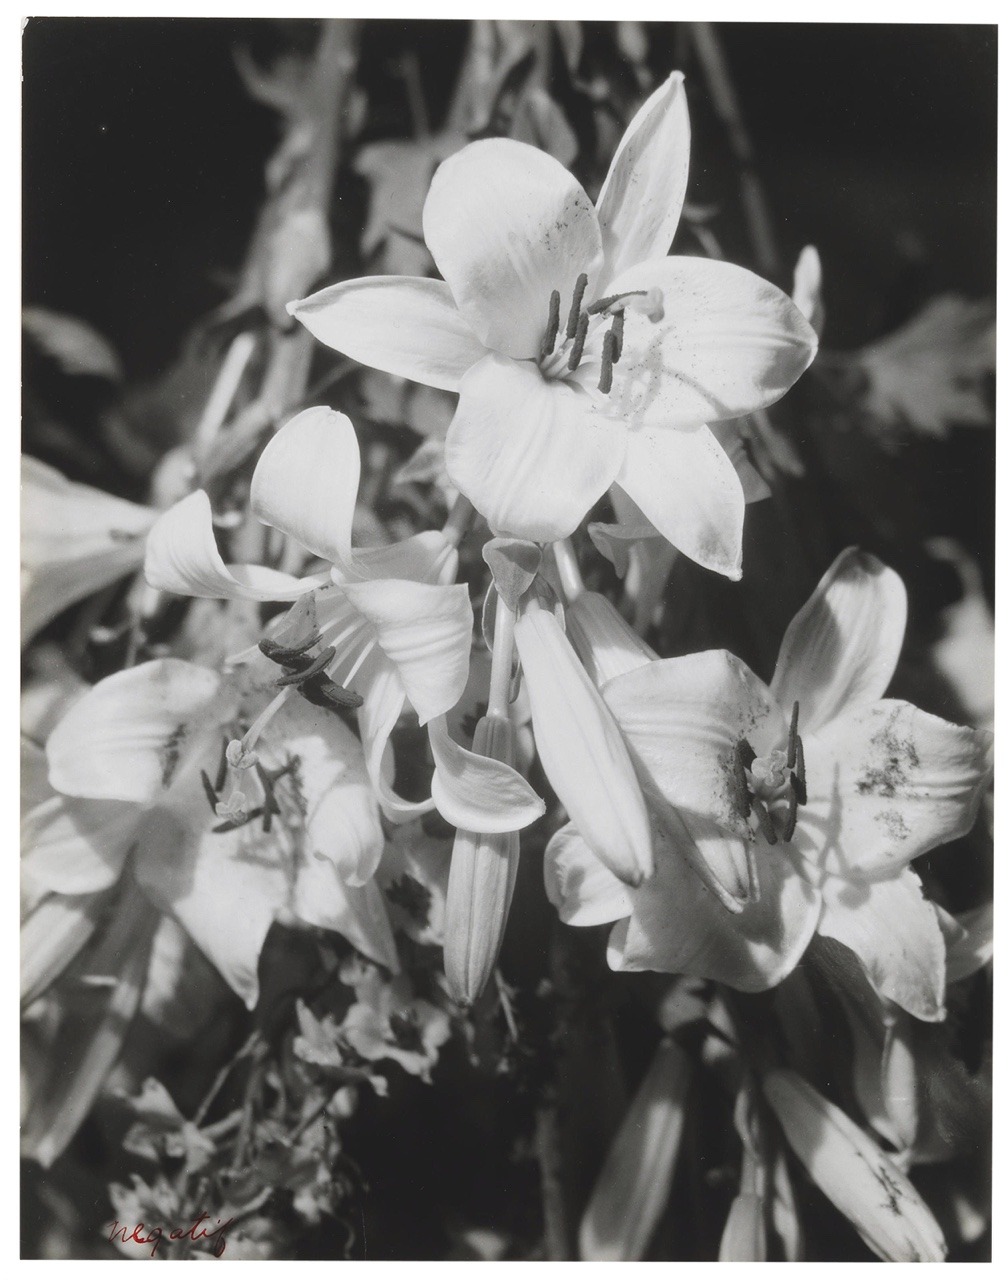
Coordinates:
182	557
528	453
892	928
729	343
506	225
840	650
642	197
404	326
886	784
305	482
685	484
128	737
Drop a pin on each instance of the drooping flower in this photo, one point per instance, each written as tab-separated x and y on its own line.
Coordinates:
765	835
384	620
583	356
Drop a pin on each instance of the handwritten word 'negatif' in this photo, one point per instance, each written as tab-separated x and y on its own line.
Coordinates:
144	1235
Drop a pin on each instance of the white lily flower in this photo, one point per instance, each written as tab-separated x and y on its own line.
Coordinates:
387	624
551	414
864	1184
793	833
75	540
146	745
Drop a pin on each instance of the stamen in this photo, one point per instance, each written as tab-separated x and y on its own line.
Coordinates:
313	668
286	655
222	767
603	304
753	870
552	326
617	333
605	377
792	813
577	351
763	818
320	691
241	754
233	824
745	752
574	315
792	744
741	782
798	777
211	794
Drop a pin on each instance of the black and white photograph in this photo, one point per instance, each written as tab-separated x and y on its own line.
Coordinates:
507	518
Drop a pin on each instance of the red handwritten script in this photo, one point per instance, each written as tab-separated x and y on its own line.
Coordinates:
147	1235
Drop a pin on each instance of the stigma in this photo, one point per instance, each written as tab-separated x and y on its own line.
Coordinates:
770	789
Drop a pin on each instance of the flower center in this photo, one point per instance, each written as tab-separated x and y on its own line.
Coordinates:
771	788
648	301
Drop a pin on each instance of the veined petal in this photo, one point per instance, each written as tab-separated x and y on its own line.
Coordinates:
425	631
642	197
506	225
322	898
74	846
126	738
305	482
406	326
729	343
75	540
893	930
887	783
841	648
582	749
864	1184
384	698
678	926
424	557
583	889
604	641
528	453
685	484
477	792
182	557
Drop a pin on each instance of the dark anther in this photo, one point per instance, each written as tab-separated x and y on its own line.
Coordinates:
211	794
552	326
222	767
617	333
763	818
577	350
608	356
792	738
272	805
574	315
320	691
233	824
741	783
792	813
313	668
745	752
604	303
287	656
798	777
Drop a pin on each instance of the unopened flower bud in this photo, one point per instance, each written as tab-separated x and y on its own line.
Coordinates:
744	1235
480	884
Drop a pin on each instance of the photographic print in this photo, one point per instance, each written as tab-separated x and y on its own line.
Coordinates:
507	552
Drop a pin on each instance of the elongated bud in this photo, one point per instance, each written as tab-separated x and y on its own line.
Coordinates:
744	1235
480	884
633	1186
582	749
899	1078
50	938
784	1211
603	639
848	1167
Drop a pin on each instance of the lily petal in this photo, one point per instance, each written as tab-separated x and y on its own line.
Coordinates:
642	197
604	641
424	557
887	783
678	926
406	326
841	648
476	792
529	454
729	343
892	928
305	482
582	749
74	846
425	631
182	557
128	736
75	540
583	889
685	484
506	225
384	698
322	898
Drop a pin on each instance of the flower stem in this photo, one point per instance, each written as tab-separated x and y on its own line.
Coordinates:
458	520
567	569
224	391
